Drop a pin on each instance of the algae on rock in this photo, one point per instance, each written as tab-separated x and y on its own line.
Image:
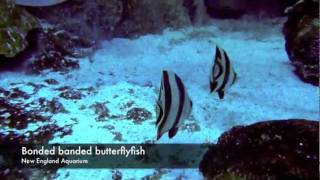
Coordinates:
15	23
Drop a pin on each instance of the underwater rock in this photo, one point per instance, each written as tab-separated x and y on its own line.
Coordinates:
101	110
67	43
280	149
238	8
99	19
225	9
138	115
191	8
15	23
14	93
51	81
70	93
301	33
16	116
41	135
89	19
52	49
196	10
52	60
145	16
53	106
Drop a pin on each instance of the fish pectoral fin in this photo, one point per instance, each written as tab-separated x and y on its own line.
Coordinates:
173	132
221	94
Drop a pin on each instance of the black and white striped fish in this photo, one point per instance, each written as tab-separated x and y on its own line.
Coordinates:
222	74
173	104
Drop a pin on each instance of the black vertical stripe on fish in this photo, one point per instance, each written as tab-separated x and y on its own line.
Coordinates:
181	101
227	73
160	113
213	86
172	132
168	97
218	54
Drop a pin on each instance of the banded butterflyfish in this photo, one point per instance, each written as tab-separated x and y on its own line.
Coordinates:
173	105
222	75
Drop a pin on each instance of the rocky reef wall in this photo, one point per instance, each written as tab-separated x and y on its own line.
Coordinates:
115	18
301	32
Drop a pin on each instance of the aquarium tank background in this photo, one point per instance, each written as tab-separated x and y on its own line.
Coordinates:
159	89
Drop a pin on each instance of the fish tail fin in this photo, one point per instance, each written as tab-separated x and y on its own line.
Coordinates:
173	132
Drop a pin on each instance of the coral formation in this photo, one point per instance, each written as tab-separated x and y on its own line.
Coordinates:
302	39
280	149
15	23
